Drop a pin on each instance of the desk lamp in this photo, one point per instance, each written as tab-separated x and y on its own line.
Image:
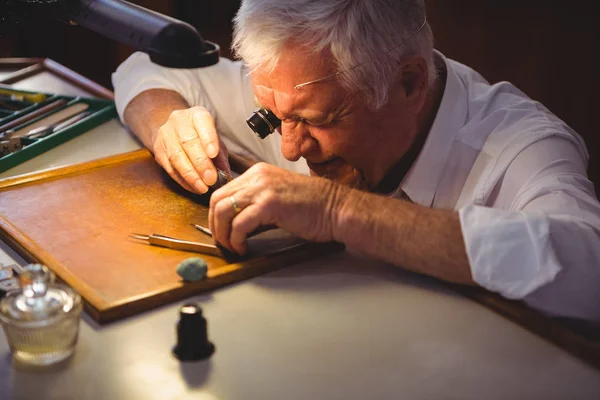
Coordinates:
168	41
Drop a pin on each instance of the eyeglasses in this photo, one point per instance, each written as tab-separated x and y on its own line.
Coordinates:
263	122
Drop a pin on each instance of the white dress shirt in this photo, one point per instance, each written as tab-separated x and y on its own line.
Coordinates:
515	173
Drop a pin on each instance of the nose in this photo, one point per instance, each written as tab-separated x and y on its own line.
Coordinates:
296	140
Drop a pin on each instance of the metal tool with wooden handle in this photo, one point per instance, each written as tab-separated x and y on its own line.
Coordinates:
178	244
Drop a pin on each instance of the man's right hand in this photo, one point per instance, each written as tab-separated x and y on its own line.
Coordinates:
188	148
184	140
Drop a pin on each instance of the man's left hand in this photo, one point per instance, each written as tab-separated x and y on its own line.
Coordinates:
267	195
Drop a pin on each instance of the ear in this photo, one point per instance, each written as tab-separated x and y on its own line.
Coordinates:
414	80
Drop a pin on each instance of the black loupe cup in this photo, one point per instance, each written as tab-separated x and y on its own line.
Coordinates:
263	122
192	335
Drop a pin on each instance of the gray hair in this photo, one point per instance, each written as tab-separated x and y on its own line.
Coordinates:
366	38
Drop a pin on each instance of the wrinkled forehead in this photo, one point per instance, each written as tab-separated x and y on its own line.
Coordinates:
296	65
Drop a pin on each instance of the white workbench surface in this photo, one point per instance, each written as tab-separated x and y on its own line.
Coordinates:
340	327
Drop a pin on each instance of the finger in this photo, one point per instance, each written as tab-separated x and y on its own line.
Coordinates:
215	198
205	127
177	178
247	221
185	169
242	182
200	162
221	161
205	145
224	213
177	157
182	182
162	159
227	190
211	213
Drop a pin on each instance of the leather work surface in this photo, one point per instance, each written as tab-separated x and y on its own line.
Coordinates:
77	219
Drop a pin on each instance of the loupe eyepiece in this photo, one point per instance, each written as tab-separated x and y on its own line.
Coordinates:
263	122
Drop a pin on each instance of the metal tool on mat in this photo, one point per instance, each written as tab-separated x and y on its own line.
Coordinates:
45	130
178	244
258	230
8	278
33	114
202	229
9	143
54	118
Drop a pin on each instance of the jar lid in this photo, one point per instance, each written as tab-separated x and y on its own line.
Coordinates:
39	301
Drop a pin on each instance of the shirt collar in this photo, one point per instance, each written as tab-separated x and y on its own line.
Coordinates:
421	181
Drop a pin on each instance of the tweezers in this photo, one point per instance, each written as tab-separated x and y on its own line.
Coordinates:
178	244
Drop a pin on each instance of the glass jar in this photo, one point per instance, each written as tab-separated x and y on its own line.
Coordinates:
41	320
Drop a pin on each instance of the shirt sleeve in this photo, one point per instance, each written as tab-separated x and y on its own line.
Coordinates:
538	239
223	89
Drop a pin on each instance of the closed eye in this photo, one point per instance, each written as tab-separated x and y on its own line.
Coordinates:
300	120
321	124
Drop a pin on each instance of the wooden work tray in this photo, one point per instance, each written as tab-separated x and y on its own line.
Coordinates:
76	220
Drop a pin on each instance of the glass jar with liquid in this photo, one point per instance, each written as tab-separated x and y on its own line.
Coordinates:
41	320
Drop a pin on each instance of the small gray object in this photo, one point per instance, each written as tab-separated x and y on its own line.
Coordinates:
9	284
5	273
192	269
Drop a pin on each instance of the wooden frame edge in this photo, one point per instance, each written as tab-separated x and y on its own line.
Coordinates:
245	270
63	171
33	66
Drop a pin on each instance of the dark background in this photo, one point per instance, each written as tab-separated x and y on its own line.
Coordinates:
549	49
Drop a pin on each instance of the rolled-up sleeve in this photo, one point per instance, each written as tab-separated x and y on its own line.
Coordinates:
223	89
138	74
539	237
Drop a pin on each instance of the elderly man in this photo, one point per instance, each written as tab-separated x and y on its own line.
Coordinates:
413	158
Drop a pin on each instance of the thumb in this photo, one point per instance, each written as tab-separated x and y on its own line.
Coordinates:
221	161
